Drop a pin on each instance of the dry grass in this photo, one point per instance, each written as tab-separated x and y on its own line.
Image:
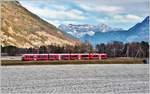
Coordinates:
106	61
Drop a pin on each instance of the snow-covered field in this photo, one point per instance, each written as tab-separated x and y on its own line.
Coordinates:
117	78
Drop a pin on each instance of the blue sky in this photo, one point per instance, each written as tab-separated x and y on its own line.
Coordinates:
115	13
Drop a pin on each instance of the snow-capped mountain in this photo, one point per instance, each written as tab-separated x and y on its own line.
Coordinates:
103	33
80	31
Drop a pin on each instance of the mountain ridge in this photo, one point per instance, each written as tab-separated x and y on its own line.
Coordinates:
81	30
133	34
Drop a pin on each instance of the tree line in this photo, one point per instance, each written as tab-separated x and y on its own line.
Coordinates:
13	50
113	49
120	49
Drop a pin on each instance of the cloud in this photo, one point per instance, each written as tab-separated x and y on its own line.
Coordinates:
117	6
58	22
102	8
56	12
122	14
74	14
127	18
69	22
133	17
110	9
54	22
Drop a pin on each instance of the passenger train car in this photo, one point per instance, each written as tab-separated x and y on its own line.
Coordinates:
37	57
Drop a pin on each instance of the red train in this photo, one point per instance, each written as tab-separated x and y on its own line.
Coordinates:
36	57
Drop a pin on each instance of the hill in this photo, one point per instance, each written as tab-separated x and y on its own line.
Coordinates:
23	29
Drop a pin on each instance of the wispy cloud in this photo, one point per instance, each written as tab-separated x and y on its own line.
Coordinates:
59	12
103	8
115	13
127	18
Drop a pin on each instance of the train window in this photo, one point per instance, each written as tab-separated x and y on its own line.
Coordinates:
85	56
42	56
95	55
103	55
31	56
74	55
53	56
64	56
